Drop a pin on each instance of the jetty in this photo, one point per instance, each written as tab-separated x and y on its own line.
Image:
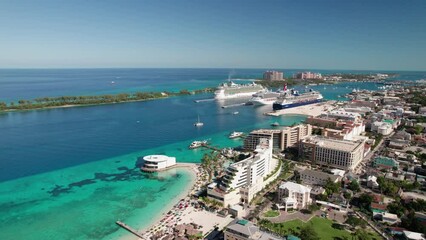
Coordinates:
128	228
234	105
204	100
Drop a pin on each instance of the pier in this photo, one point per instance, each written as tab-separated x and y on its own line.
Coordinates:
128	228
204	100
234	105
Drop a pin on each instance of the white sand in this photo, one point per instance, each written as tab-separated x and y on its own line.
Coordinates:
309	110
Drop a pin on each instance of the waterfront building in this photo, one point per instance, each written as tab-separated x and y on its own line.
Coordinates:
241	229
247	177
312	177
341	154
307	75
273	76
154	163
281	139
293	196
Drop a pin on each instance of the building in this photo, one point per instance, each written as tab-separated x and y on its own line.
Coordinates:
312	177
383	128
341	154
241	229
154	163
281	139
247	177
408	235
307	75
293	196
385	162
273	76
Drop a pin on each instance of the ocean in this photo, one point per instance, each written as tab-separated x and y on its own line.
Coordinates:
70	173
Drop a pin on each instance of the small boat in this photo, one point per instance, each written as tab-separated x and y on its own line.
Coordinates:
236	135
197	144
275	124
112	82
235	113
198	123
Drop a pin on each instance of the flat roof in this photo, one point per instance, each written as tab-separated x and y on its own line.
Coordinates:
156	158
331	143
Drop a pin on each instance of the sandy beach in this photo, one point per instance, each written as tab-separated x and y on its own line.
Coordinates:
180	210
309	110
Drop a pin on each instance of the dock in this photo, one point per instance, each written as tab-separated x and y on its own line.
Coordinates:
128	228
234	105
204	100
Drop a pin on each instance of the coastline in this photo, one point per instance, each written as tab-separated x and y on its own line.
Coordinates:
193	171
306	110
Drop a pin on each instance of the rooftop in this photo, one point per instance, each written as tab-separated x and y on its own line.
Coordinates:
318	174
295	187
336	144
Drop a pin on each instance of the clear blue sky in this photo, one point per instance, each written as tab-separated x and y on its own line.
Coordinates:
316	34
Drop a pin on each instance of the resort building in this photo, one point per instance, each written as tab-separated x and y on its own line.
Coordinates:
241	229
307	75
281	139
273	75
312	177
247	177
293	196
154	163
341	154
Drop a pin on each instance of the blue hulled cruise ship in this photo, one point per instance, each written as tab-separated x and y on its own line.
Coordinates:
292	98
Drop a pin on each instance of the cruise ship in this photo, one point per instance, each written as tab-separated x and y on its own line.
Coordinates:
264	98
292	98
232	90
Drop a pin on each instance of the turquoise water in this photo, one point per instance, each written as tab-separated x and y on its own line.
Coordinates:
71	173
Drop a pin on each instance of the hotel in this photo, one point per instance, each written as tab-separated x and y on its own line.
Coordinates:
341	154
273	76
281	139
247	177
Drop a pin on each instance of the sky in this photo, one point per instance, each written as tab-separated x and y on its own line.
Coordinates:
305	34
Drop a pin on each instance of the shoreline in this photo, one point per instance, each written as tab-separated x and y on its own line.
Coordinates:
194	172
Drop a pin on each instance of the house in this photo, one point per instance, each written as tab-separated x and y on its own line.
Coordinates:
378	208
241	229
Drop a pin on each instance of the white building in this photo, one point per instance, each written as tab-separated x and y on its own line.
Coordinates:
341	154
382	128
312	177
293	196
153	163
245	178
413	235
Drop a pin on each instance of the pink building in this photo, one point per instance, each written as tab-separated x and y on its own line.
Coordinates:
273	75
308	75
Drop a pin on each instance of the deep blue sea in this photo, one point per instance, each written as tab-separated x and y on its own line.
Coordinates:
57	165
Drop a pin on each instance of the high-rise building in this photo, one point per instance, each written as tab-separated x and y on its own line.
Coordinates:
281	139
307	75
341	154
273	75
247	177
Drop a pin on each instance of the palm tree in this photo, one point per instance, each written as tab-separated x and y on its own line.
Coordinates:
211	163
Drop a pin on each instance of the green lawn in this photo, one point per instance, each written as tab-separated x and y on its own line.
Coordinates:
322	226
271	213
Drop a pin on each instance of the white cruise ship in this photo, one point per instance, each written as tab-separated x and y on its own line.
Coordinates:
232	90
264	98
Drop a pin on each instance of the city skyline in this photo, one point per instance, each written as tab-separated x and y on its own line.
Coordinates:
335	35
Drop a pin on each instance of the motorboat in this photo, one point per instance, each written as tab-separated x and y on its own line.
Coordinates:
197	144
236	135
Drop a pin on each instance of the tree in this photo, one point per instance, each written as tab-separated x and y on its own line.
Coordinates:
308	233
362	234
211	163
354	186
331	187
365	200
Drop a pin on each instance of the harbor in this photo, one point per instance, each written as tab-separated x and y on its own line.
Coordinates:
308	110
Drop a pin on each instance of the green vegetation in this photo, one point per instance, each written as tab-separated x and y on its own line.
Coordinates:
317	228
377	140
211	163
354	186
391	188
271	213
331	187
416	97
48	102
